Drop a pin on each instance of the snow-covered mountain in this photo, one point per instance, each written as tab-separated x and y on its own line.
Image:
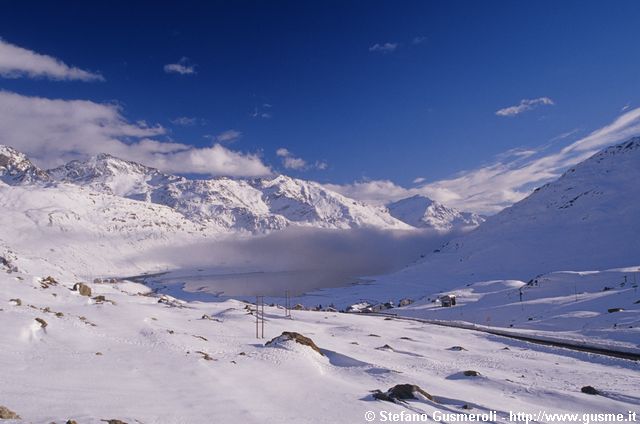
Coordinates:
248	205
422	212
588	219
16	168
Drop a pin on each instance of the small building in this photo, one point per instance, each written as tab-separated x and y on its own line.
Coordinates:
405	302
448	300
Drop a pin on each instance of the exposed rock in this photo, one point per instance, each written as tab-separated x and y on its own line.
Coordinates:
612	310
385	347
471	373
48	282
18	302
114	421
401	393
297	337
83	289
405	302
174	303
590	390
299	307
200	337
42	322
8	414
59	314
457	348
71	422
205	355
373	335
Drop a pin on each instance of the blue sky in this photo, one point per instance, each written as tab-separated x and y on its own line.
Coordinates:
375	99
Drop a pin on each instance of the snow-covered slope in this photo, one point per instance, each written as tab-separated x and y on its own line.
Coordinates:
422	212
124	353
587	219
92	233
237	204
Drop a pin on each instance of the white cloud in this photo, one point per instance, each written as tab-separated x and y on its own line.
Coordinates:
182	67
228	136
419	180
262	112
418	40
184	121
524	105
18	62
513	175
375	192
53	132
282	152
289	161
321	165
384	48
294	163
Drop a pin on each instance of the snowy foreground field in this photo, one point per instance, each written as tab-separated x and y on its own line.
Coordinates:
141	358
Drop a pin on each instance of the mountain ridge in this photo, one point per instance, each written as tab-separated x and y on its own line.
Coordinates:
255	205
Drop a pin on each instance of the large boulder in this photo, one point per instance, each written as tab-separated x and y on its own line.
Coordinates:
590	390
8	414
83	289
402	393
296	337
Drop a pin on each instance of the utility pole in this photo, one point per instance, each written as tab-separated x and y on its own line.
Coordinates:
259	317
287	304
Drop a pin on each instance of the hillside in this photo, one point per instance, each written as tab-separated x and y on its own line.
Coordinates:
587	219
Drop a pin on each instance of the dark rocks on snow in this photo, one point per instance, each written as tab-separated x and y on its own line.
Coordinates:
71	422
589	390
405	302
205	355
457	348
385	347
101	299
8	414
83	289
612	310
114	421
401	392
42	322
471	373
296	337
18	302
